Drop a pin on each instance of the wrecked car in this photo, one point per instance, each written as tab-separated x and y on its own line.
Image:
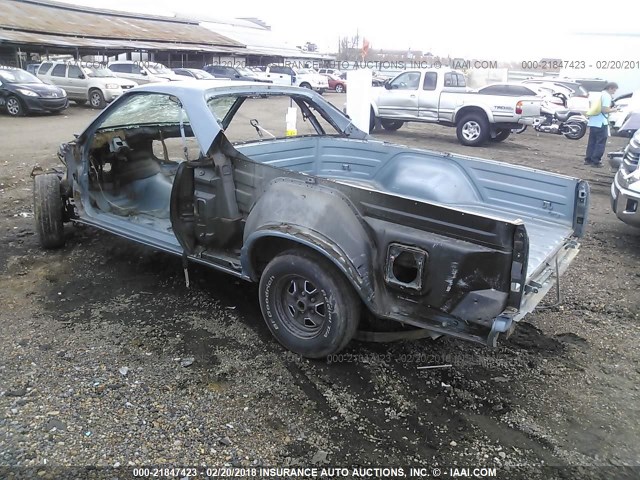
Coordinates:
331	223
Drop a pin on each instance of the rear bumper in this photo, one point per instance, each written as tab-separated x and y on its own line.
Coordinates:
625	204
39	104
529	120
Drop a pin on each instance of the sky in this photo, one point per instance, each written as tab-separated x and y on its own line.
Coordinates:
499	30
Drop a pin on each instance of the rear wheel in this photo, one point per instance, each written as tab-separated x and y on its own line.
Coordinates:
96	99
501	135
391	125
473	130
339	88
305	85
14	106
576	130
308	305
48	210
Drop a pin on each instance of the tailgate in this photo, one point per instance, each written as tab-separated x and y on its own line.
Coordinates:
530	106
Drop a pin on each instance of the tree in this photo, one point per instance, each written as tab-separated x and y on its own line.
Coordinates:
348	48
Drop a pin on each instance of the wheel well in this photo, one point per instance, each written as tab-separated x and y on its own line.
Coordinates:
94	89
266	248
463	112
305	83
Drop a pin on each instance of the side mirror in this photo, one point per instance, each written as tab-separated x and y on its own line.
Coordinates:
144	72
237	75
293	79
388	85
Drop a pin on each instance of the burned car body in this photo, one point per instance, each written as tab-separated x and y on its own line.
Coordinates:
328	222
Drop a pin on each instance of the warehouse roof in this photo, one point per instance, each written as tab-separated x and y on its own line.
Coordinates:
51	23
257	37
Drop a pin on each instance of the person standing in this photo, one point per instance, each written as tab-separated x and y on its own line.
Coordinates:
599	125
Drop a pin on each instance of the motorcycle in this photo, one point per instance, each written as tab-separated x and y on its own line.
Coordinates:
558	120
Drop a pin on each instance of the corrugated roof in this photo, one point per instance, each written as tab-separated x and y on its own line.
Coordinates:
49	19
260	40
15	37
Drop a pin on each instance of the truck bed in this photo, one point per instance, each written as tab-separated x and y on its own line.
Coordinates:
544	202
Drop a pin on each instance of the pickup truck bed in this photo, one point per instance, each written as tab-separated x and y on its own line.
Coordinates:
547	205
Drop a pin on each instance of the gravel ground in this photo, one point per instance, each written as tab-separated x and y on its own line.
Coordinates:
108	360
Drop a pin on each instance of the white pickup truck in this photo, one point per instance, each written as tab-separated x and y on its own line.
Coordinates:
300	77
441	96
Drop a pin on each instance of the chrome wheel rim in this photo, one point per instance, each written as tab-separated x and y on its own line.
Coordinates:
471	130
95	99
13	107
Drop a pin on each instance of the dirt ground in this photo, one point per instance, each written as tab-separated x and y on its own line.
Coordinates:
108	359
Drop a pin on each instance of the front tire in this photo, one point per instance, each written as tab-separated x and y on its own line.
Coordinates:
305	85
473	130
308	305
96	99
501	135
339	88
391	125
14	106
48	210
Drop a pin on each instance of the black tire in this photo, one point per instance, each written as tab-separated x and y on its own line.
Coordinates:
391	125
305	85
308	304
48	210
579	134
96	99
372	121
14	106
473	130
340	88
501	135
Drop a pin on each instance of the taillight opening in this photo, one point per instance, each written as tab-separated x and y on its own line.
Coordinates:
519	108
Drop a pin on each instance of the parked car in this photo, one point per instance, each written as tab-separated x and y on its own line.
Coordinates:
32	68
194	73
329	71
577	96
627	128
299	77
625	189
626	103
377	79
22	93
222	71
336	83
441	96
140	73
443	243
85	82
508	89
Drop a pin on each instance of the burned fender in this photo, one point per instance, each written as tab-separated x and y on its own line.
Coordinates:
318	217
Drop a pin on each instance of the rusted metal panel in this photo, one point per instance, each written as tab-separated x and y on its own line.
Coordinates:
50	18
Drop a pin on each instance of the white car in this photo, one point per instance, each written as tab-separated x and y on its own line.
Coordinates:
301	77
577	96
84	81
627	103
143	72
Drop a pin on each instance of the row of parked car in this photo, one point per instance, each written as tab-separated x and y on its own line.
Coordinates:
50	85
